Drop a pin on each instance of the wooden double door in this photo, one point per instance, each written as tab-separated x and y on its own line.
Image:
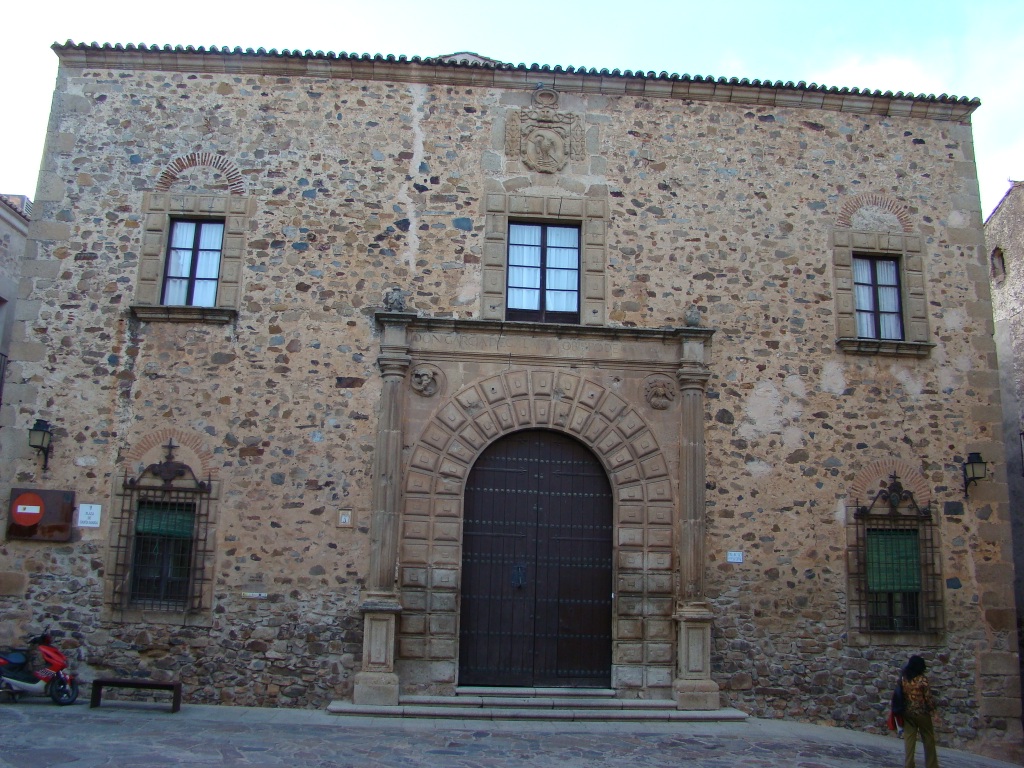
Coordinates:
536	593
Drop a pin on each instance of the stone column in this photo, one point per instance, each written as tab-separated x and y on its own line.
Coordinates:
693	686
377	682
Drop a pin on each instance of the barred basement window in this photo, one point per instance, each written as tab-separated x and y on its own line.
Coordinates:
162	539
896	584
162	560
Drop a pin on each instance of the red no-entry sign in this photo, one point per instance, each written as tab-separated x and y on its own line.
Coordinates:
27	509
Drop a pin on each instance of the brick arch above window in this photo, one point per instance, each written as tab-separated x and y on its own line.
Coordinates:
874	200
878	474
170	173
189	448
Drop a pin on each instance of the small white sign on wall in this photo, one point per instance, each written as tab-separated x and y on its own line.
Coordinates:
89	515
734	557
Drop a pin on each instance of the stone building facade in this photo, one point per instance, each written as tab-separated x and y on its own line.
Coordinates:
370	372
1004	238
14	221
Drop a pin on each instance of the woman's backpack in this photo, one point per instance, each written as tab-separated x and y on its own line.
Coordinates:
898	705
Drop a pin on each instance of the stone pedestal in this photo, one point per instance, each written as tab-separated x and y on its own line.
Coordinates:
693	686
377	683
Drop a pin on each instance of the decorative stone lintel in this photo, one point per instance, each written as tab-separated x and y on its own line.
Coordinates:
693	687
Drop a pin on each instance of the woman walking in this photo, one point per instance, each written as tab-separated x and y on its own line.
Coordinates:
918	715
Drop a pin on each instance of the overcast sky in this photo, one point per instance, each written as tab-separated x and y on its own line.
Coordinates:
957	47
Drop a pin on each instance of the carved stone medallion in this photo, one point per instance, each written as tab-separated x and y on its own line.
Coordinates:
659	391
544	139
426	380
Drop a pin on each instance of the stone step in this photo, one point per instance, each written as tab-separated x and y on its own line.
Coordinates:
519	713
483	690
567	709
536	702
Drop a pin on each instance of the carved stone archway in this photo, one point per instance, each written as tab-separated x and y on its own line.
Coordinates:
593	384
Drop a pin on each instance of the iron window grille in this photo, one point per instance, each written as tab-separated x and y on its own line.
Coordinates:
163	533
193	263
878	299
895	565
543	273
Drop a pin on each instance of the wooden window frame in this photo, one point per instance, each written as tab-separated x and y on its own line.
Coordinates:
192	279
543	314
875	285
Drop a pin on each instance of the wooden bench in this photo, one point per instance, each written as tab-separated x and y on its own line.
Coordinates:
149	685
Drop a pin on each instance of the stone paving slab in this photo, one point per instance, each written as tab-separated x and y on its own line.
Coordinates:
37	734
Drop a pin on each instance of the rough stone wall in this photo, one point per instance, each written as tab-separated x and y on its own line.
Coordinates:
362	185
13	231
1004	238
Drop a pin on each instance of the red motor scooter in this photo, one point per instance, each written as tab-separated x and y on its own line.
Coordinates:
18	677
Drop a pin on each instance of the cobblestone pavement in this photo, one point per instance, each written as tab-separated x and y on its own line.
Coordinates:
37	734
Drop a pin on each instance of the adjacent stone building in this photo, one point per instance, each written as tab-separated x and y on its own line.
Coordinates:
1004	236
371	377
14	220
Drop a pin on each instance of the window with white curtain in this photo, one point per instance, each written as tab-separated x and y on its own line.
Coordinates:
543	273
877	298
193	263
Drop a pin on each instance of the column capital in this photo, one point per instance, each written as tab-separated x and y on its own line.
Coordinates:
693	375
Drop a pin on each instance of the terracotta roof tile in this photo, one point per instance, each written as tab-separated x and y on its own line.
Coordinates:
809	91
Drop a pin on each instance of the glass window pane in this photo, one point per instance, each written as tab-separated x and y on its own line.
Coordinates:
563	237
179	263
864	297
891	327
524	256
520	298
522	277
205	293
866	325
183	234
562	279
862	271
211	235
176	292
560	301
886	271
889	299
524	234
563	257
209	264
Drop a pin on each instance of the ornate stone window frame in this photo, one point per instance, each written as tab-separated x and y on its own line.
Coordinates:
872	505
145	454
590	214
160	210
907	249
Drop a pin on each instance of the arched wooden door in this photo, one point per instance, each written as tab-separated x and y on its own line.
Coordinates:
536	566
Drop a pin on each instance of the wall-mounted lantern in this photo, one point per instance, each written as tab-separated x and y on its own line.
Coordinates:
975	469
39	437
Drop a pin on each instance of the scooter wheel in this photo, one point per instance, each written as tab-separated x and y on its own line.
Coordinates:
63	692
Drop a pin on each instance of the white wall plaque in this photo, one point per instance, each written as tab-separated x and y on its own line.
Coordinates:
89	515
